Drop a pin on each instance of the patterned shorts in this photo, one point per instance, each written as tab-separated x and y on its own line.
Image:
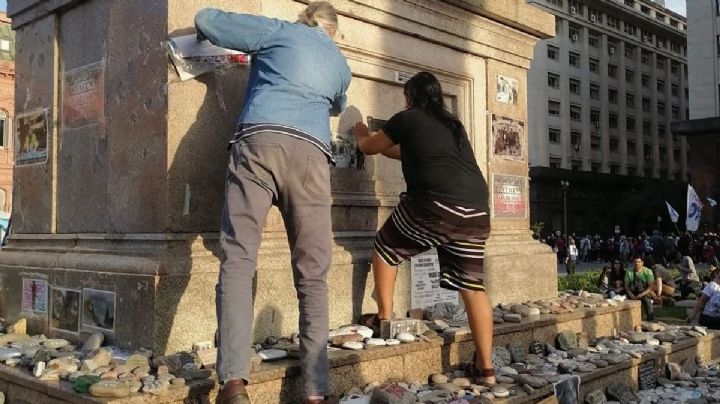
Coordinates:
458	233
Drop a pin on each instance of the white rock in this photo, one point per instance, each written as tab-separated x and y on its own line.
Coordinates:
507	370
392	342
405	337
375	342
500	392
272	354
354	345
653	342
39	369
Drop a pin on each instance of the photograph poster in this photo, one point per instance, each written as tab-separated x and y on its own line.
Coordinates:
65	309
507	90
31	137
98	309
34	296
508	137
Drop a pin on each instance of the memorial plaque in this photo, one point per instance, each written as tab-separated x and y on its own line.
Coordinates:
34	296
508	138
83	96
32	132
647	375
537	348
425	282
509	197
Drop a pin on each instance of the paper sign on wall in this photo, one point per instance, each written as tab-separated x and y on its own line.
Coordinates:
425	281
34	296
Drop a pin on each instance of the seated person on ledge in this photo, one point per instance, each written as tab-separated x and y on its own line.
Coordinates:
709	305
665	285
616	279
639	283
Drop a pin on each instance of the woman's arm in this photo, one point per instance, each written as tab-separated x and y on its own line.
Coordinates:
242	32
393	152
699	307
371	143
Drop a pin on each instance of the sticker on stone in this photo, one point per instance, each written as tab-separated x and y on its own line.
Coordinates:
98	309
84	97
65	309
507	90
32	131
509	197
508	138
34	296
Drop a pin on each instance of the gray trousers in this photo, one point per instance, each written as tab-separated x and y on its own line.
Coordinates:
274	169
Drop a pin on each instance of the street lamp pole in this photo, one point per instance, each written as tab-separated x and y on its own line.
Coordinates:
565	185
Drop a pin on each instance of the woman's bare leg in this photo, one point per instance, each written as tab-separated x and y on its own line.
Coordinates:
480	316
385	276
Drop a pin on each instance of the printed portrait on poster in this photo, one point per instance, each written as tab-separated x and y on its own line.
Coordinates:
507	90
34	296
98	309
32	132
65	309
508	137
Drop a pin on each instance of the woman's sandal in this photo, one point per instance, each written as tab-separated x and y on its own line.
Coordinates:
478	375
371	321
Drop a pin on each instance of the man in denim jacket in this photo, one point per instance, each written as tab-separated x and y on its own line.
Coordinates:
280	156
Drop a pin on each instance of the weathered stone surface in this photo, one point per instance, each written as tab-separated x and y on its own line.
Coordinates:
512	318
10	353
532	381
500	392
110	389
137	360
595	397
438	378
621	393
339	340
272	354
518	353
567	340
353	345
18	327
501	357
393	394
673	371
96	359
637	337
93	342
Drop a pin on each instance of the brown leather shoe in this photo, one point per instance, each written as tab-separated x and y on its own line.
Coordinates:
233	392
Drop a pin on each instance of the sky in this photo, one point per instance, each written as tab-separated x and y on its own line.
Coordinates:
3	5
677	6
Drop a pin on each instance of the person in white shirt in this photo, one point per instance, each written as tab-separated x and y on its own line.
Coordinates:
709	305
572	257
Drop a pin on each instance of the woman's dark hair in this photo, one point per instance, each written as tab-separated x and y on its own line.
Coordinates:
424	91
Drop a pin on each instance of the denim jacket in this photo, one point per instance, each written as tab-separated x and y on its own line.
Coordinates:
298	77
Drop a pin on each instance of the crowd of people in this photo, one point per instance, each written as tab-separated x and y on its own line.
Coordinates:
636	267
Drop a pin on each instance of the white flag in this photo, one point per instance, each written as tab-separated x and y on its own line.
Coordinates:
694	207
712	202
674	216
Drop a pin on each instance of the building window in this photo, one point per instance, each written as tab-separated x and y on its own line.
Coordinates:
630	100
674	68
646	128
4	135
675	112
663	154
613	120
629	76
595	142
574	59
575	7
554	108
595	167
553	52
595	118
612	95
593	41
558	26
676	155
575	86
614	145
574	34
575	139
630	3
575	112
555	162
629	50
553	80
645	58
660	63
614	169
661	85
554	135
647	152
612	22
661	131
594	65
631	148
612	70
661	108
645	79
558	3
595	91
576	165
646	104
630	123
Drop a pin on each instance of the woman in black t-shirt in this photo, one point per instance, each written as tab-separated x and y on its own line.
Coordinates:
445	207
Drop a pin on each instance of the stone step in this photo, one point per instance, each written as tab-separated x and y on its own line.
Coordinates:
279	382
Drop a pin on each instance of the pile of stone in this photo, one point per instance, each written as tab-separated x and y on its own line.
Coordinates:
522	370
101	371
689	382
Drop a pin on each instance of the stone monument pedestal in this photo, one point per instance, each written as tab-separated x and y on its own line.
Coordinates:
116	214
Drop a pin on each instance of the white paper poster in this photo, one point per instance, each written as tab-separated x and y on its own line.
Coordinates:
425	280
34	296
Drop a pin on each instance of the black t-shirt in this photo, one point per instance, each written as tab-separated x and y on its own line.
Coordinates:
433	164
